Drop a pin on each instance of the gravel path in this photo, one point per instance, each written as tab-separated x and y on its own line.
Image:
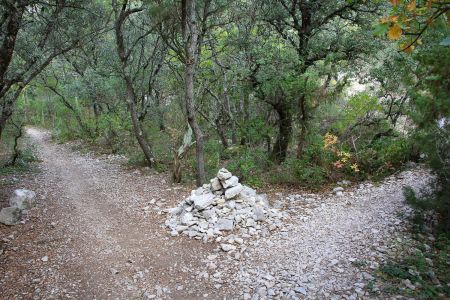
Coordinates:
97	234
100	227
320	254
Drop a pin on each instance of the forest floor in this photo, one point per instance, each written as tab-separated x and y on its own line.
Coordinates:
97	233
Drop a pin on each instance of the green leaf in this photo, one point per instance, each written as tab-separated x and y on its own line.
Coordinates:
381	29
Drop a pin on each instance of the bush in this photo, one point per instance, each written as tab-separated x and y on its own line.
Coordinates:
384	156
305	172
248	165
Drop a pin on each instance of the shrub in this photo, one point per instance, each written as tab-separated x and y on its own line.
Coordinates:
305	172
248	165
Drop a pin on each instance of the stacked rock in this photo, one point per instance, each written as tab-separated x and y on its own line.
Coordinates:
223	205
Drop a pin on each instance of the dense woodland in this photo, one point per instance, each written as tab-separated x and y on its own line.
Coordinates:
296	92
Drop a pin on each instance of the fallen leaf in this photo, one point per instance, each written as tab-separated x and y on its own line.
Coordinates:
411	6
395	32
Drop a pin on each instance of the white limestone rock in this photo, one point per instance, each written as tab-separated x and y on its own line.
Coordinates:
233	192
227	247
203	201
224	224
224	174
23	199
215	184
10	215
230	182
186	219
247	192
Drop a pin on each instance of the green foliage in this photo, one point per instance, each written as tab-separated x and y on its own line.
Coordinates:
255	130
430	109
384	156
305	172
248	165
213	151
253	70
356	107
309	171
436	201
424	269
23	163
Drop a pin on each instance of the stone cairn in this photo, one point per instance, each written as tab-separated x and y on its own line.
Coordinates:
223	206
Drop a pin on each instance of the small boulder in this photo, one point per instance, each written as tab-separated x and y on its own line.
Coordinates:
224	174
176	210
231	182
215	184
23	199
227	247
203	201
247	192
10	215
233	192
209	214
186	219
224	224
338	189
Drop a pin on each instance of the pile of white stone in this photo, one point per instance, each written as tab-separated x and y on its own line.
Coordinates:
223	206
20	200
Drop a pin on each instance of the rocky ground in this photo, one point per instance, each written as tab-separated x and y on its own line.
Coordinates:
98	232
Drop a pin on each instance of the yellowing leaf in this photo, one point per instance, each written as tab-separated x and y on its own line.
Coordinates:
407	47
395	2
395	32
411	6
384	20
393	19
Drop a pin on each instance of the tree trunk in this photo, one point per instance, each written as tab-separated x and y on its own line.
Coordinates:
191	42
280	148
137	128
160	110
230	112
131	95
7	107
245	115
16	149
303	119
8	34
221	133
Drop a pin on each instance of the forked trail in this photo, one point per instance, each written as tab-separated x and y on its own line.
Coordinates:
101	231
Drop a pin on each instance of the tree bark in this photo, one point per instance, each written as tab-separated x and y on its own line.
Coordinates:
221	133
137	128
191	43
8	39
16	149
160	111
131	99
280	148
303	119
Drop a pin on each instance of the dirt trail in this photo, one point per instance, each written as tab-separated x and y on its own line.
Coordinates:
100	242
100	227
